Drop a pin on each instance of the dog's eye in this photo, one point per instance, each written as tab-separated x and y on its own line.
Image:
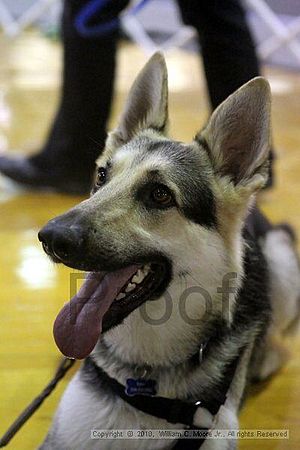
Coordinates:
100	177
162	196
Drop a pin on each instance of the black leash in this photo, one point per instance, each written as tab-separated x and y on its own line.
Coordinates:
63	368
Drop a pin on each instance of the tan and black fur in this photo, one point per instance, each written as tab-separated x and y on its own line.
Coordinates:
200	237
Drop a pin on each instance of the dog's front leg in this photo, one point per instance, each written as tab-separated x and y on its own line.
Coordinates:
227	416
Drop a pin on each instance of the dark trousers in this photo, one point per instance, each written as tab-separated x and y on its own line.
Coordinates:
79	128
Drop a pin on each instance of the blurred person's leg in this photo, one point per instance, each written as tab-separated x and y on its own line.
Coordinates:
227	47
77	135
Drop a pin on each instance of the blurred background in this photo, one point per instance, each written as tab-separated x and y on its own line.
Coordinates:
32	289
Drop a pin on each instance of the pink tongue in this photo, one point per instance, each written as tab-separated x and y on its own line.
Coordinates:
78	325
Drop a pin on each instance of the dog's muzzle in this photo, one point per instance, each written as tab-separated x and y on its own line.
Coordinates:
113	288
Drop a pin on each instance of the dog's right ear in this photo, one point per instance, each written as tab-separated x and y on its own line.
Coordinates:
147	102
237	135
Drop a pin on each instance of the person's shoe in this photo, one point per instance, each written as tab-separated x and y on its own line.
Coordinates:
22	170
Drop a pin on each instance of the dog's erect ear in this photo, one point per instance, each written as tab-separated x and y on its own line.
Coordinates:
238	132
147	102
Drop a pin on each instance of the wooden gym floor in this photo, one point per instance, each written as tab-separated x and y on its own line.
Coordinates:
33	290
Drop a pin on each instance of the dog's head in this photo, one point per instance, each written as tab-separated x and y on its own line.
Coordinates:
163	223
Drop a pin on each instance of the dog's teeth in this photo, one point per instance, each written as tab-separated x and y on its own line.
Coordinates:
130	287
138	277
141	274
146	269
120	296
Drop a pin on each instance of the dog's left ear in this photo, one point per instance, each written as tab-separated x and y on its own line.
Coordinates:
147	102
238	133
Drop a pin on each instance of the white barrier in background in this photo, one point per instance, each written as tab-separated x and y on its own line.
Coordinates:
12	27
283	35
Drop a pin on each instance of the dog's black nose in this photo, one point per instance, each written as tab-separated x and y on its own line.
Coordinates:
62	242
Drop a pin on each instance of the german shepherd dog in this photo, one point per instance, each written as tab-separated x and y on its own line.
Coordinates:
189	289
